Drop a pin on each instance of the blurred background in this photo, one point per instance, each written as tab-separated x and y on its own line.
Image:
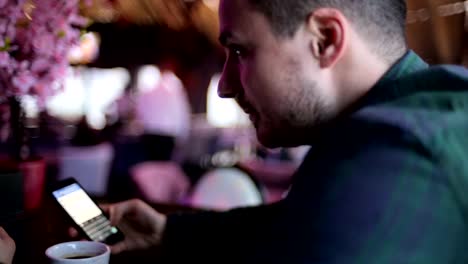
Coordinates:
139	115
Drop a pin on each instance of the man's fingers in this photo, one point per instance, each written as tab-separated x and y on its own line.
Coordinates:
119	210
72	232
105	207
6	238
3	234
119	247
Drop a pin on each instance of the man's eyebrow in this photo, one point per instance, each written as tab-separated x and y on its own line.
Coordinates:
224	37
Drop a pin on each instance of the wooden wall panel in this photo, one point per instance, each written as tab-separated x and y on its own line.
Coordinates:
437	30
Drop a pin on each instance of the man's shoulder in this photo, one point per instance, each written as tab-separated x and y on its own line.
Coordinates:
449	78
426	103
434	120
425	110
453	72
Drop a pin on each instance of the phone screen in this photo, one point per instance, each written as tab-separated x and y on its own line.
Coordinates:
84	212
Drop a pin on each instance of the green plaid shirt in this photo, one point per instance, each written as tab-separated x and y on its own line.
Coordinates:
388	183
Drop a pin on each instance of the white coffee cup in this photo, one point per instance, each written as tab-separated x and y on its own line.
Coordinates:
79	252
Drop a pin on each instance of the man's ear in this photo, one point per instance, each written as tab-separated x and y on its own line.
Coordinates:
328	27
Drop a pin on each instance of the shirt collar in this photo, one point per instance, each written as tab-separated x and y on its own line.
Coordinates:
389	87
385	89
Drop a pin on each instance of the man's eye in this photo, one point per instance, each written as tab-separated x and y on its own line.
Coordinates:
237	51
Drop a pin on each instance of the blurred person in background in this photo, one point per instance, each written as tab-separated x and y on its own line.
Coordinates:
386	179
160	108
84	135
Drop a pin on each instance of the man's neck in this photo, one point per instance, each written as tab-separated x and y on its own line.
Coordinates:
360	71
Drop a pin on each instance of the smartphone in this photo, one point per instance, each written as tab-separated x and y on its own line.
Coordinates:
89	219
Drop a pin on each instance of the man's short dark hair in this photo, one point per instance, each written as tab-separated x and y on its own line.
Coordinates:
380	22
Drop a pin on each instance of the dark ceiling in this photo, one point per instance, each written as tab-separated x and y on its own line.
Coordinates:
128	45
189	53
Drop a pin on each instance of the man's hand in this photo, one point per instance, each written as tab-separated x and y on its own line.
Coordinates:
141	224
7	247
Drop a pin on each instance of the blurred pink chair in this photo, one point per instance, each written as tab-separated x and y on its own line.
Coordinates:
274	177
89	165
224	189
160	181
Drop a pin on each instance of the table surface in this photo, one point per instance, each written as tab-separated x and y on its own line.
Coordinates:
35	231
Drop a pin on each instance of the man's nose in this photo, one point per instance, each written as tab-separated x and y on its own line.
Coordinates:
228	83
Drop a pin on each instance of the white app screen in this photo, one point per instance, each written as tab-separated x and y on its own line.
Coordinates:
77	203
84	212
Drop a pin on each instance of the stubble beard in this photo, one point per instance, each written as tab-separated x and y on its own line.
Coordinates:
302	113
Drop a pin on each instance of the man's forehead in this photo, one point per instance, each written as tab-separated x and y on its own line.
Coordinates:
227	8
232	15
230	8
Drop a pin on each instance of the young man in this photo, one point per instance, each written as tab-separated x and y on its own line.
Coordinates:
386	180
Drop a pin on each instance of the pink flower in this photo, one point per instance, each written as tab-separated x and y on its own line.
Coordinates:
24	65
11	31
59	71
37	52
23	82
4	58
44	44
40	65
40	89
78	20
3	25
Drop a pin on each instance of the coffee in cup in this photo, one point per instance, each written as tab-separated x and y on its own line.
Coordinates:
79	252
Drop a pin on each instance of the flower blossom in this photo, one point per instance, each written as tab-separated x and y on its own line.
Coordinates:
34	44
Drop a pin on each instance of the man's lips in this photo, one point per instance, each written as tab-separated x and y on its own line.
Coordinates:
245	106
250	112
253	118
248	109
